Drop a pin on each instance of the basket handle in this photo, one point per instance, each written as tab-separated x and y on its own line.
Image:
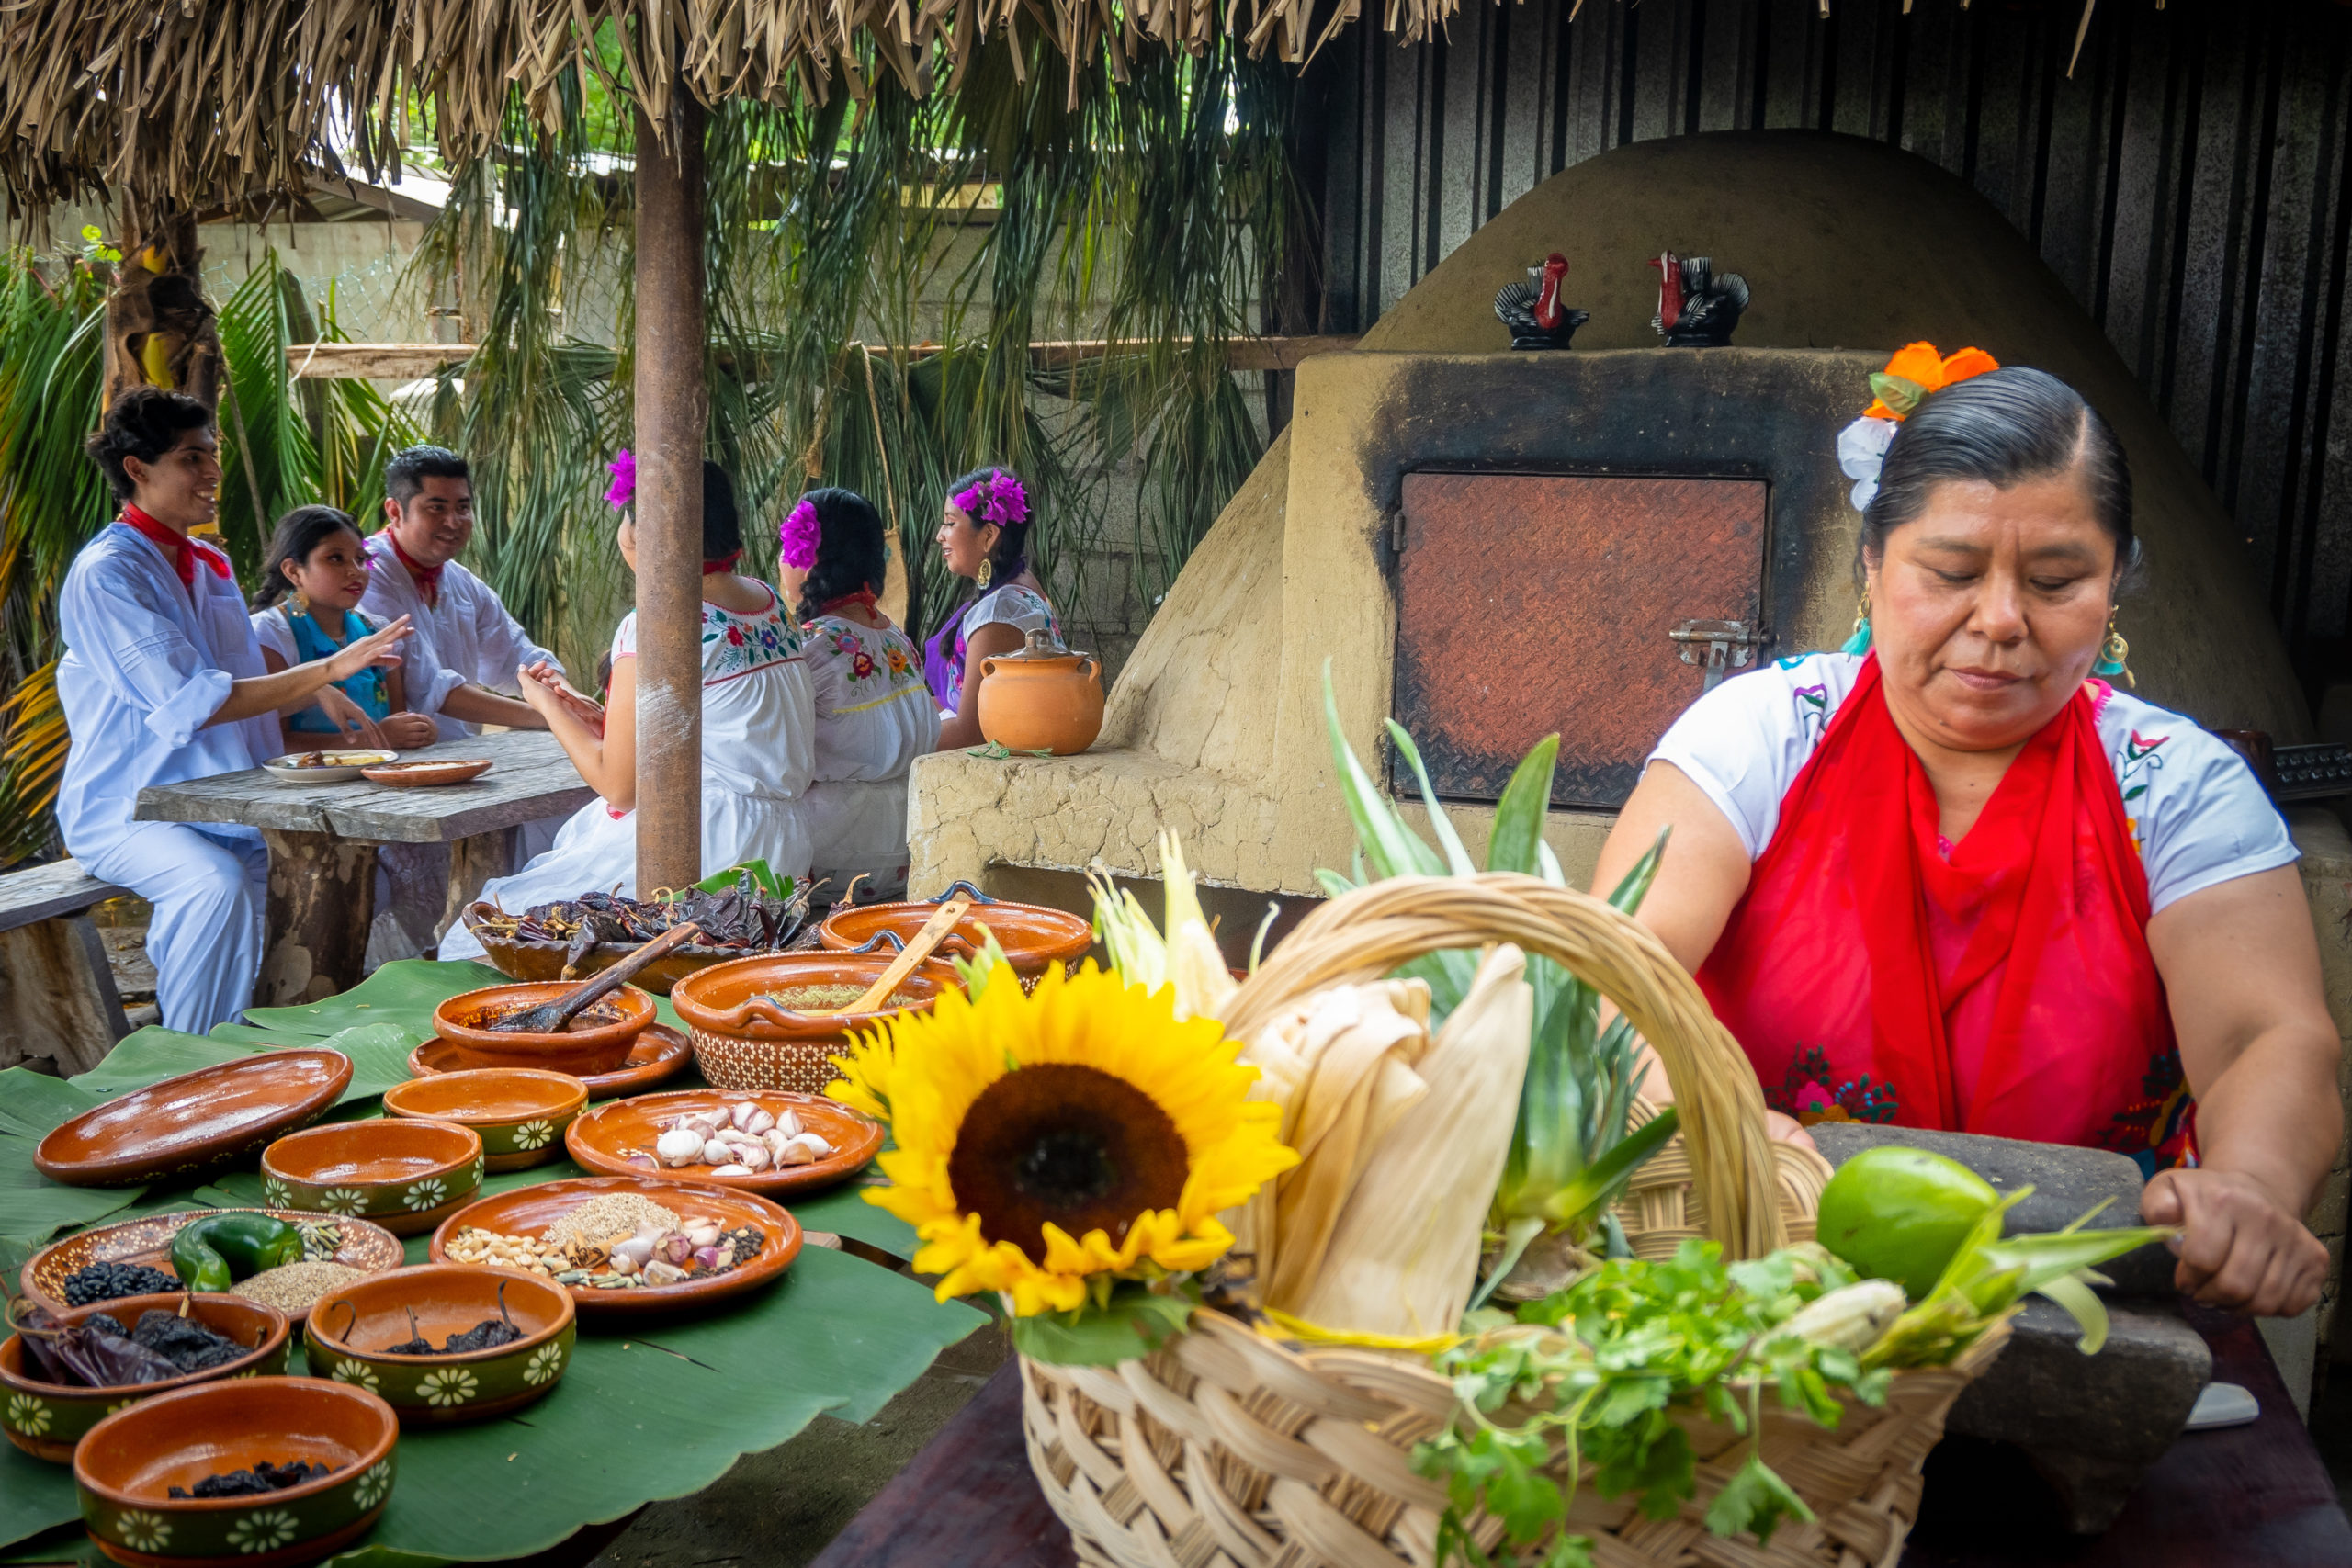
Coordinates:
1367	933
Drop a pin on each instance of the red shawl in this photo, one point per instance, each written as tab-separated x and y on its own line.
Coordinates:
2002	985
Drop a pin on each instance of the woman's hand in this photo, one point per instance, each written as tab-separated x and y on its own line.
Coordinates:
408	731
350	718
1783	1129
548	678
362	654
2244	1248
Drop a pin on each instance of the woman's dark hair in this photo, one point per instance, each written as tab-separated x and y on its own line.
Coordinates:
144	423
2003	427
300	532
722	530
1011	557
850	557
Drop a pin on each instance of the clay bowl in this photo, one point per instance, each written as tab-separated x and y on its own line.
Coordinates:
129	1463
408	775
597	1042
194	1122
661	1053
1032	935
545	960
47	1419
529	1211
348	1329
744	1042
605	1139
404	1174
370	1249
518	1112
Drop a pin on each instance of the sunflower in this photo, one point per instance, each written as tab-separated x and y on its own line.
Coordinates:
1076	1132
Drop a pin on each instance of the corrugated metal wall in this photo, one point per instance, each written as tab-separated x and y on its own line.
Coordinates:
2188	183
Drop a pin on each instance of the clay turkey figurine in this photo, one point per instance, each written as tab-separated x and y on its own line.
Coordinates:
1697	307
1533	310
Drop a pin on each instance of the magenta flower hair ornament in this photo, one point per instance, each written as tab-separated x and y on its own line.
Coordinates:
800	537
997	499
624	486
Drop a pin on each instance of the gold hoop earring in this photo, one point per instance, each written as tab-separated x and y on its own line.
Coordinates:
301	604
1859	642
2112	654
987	571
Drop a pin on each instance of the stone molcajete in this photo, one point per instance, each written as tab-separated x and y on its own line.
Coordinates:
1044	698
1697	307
1533	310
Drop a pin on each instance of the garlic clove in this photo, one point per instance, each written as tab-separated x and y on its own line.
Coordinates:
678	1147
637	1249
732	1169
641	1160
716	1153
741	1115
762	1120
789	1125
756	1156
659	1273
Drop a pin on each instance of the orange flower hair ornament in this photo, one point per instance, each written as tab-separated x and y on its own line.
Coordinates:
1898	390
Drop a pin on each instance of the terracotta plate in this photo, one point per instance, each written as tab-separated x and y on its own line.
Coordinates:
402	776
370	1249
338	767
189	1124
602	1139
660	1053
529	1211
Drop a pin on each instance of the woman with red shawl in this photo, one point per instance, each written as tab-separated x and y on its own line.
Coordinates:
1951	878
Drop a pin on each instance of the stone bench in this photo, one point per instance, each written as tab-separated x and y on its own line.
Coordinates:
58	1002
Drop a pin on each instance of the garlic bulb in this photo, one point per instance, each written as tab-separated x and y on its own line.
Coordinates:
679	1147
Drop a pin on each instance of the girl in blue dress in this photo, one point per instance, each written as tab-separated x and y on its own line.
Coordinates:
307	607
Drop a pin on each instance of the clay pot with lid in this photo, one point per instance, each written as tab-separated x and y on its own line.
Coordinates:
1045	698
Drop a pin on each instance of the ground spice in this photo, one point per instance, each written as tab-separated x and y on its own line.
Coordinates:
600	1219
291	1288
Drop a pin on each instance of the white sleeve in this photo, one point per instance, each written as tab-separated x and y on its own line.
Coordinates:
139	653
505	647
1016	608
1745	743
625	638
2207	819
270	628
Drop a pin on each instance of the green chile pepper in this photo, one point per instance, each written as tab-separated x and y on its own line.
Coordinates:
207	1254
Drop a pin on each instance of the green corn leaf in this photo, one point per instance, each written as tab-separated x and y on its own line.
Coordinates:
1635	886
1519	815
1394	849
1457	859
2071	1292
1602	1179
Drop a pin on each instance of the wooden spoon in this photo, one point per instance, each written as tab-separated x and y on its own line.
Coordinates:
934	931
548	1018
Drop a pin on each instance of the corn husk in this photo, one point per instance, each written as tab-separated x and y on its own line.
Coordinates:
1339	1065
1403	1256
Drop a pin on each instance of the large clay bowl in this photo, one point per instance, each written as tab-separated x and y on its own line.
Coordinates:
743	1041
196	1121
597	1042
347	1330
404	1175
660	1053
1033	936
129	1463
544	960
610	1138
529	1211
518	1112
370	1249
47	1419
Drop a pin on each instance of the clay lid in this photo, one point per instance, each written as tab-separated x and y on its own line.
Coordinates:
1042	645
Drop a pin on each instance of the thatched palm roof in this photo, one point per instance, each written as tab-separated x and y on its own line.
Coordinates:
224	103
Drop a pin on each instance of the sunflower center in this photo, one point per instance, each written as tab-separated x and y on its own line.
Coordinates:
1067	1146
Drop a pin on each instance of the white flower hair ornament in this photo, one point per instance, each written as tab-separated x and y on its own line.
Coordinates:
1862	453
1897	391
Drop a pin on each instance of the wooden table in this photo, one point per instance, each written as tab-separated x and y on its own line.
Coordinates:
323	842
2252	1496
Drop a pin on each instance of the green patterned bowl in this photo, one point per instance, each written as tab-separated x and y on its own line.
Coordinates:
519	1112
407	1175
129	1463
350	1329
47	1419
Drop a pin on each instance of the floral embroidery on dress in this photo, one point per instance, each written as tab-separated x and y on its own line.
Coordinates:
2141	764
745	643
2158	1130
1812	711
1806	1092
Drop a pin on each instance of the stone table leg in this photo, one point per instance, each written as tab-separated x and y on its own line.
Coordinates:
473	862
321	901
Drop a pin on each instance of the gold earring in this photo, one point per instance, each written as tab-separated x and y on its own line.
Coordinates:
2112	654
301	604
1862	612
987	569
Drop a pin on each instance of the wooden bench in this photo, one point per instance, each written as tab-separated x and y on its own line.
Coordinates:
57	995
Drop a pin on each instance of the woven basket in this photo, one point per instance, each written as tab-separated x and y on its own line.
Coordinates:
1228	1450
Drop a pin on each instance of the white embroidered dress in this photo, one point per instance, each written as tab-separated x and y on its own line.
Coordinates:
873	719
758	758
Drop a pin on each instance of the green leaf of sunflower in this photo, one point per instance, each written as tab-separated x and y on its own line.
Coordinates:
1137	1322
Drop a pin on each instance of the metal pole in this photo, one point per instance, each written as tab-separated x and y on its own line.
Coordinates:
672	407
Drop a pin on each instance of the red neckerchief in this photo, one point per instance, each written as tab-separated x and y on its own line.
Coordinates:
182	551
426	578
863	596
724	563
2005	988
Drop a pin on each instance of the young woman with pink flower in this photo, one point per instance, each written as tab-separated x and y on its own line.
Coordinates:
873	714
758	731
983	536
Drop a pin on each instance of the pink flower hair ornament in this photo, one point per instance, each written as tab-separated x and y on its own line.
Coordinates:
799	536
997	499
623	468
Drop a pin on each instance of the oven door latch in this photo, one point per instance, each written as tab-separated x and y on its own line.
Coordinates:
1718	646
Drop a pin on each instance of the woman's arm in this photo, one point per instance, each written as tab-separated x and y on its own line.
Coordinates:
991	641
1703	873
403	730
292	690
608	762
2241	968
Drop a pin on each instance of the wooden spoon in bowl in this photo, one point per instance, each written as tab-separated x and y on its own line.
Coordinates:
934	931
548	1018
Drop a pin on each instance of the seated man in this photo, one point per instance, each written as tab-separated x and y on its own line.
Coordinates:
163	681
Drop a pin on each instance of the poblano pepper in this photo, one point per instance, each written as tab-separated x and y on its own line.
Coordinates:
209	1253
